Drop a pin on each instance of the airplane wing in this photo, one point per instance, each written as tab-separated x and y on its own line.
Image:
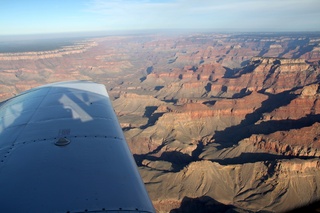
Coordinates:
62	150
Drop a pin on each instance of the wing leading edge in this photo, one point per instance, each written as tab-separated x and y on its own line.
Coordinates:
62	150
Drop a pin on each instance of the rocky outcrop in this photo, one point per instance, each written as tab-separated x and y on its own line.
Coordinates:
182	128
178	90
290	143
276	75
261	186
135	110
134	104
272	75
188	74
306	103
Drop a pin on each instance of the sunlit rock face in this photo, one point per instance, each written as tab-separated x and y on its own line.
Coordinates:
216	122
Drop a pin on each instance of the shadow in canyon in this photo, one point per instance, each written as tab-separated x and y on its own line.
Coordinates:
177	159
152	117
238	72
247	127
248	157
292	45
303	50
265	48
229	72
204	204
158	88
149	111
244	92
311	208
232	135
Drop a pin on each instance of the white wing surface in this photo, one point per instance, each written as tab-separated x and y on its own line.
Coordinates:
62	150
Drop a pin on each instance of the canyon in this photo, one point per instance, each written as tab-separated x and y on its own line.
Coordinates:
215	122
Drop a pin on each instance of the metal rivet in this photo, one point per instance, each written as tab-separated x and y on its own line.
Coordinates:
62	142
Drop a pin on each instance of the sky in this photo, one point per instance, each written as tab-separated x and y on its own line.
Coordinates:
19	17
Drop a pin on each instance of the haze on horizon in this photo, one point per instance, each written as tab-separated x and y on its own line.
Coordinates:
21	17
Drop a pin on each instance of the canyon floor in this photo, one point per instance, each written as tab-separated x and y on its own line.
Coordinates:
216	122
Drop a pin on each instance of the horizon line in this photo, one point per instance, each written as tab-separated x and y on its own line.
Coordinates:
195	30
